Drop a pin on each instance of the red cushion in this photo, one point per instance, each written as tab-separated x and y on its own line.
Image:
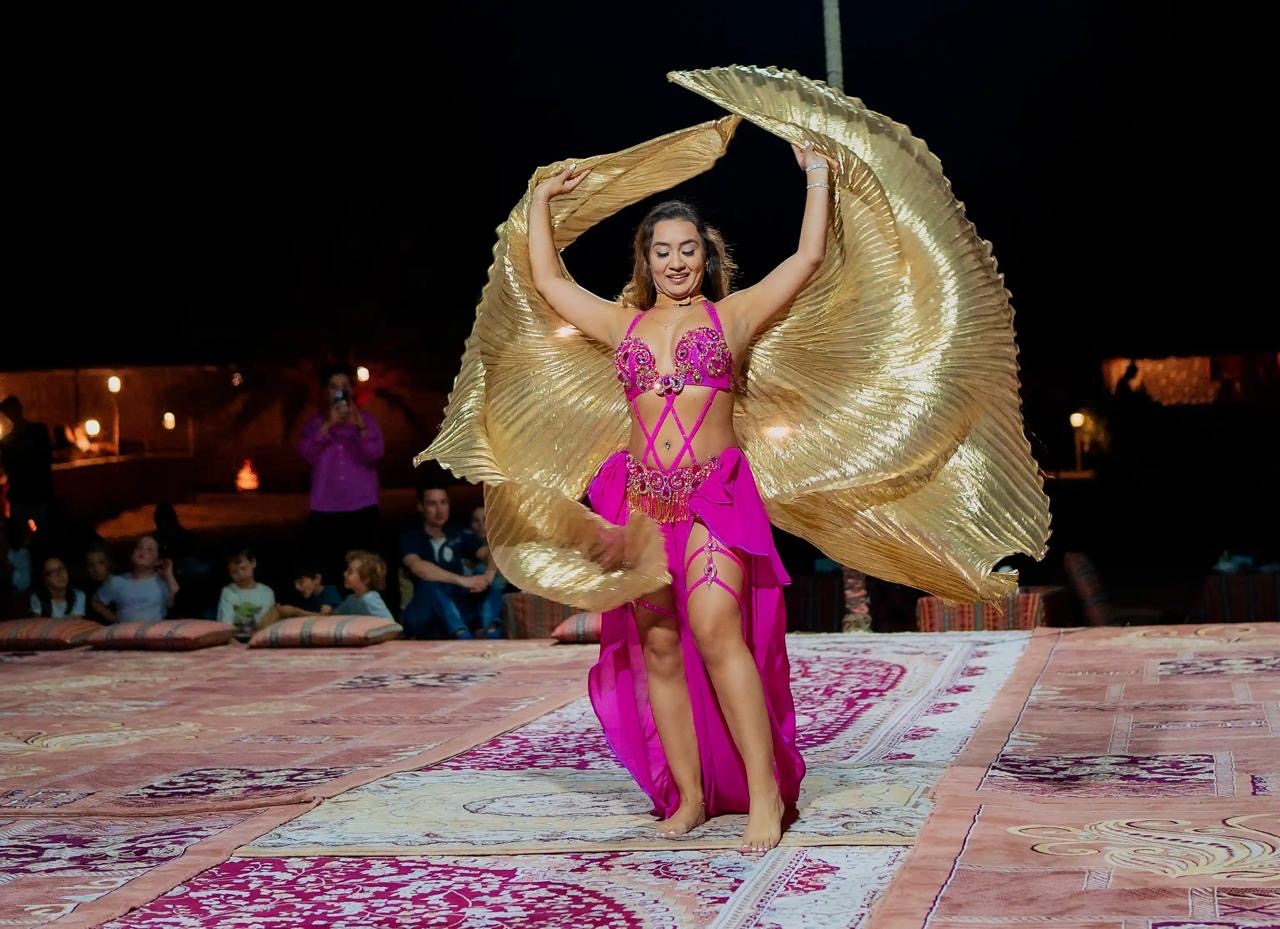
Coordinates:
171	635
40	635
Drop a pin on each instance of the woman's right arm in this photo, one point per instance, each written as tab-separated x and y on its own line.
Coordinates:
595	317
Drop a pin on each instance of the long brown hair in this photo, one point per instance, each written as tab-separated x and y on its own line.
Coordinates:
640	292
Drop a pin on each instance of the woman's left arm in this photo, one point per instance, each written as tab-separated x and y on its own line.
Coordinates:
752	308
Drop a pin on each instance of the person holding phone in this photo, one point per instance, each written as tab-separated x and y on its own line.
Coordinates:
343	445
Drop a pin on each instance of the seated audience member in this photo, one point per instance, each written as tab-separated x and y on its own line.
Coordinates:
245	603
54	597
19	557
446	599
479	528
145	593
315	597
8	600
97	569
366	575
197	574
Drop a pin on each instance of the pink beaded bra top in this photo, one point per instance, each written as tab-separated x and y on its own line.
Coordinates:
701	358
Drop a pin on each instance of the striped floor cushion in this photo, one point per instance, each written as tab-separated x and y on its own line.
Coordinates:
1013	611
326	632
527	616
42	635
163	635
1235	598
580	627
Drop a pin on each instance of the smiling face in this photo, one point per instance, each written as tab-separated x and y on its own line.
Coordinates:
677	258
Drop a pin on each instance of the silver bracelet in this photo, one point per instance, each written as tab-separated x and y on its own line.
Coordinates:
817	167
811	186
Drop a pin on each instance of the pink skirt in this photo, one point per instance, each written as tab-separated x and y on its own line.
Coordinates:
729	505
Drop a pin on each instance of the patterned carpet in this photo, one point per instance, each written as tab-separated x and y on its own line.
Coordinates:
1083	779
125	773
1125	778
610	890
880	719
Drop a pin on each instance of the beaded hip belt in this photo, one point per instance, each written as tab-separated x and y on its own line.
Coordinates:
661	495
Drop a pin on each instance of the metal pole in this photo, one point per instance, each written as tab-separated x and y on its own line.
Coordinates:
831	32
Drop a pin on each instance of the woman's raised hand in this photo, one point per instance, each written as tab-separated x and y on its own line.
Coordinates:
560	183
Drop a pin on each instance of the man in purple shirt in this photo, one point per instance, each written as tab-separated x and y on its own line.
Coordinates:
343	446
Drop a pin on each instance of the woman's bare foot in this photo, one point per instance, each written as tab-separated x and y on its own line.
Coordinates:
764	824
690	815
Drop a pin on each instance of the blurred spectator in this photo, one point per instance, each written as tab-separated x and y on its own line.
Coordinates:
97	568
7	597
19	555
342	445
245	603
198	584
446	599
54	597
499	586
26	457
145	593
366	575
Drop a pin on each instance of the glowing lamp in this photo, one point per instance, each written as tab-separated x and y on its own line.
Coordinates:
246	477
92	428
362	374
1077	420
170	421
113	384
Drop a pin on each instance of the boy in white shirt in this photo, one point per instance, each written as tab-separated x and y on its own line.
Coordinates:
245	603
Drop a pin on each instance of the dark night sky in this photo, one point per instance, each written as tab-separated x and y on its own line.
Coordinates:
238	195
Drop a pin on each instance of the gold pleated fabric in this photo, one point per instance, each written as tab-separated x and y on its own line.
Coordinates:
880	414
537	406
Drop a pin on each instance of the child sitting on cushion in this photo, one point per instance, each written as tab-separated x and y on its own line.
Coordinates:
245	603
366	574
315	597
145	593
54	597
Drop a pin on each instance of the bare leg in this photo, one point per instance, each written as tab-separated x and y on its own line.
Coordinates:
716	620
672	711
